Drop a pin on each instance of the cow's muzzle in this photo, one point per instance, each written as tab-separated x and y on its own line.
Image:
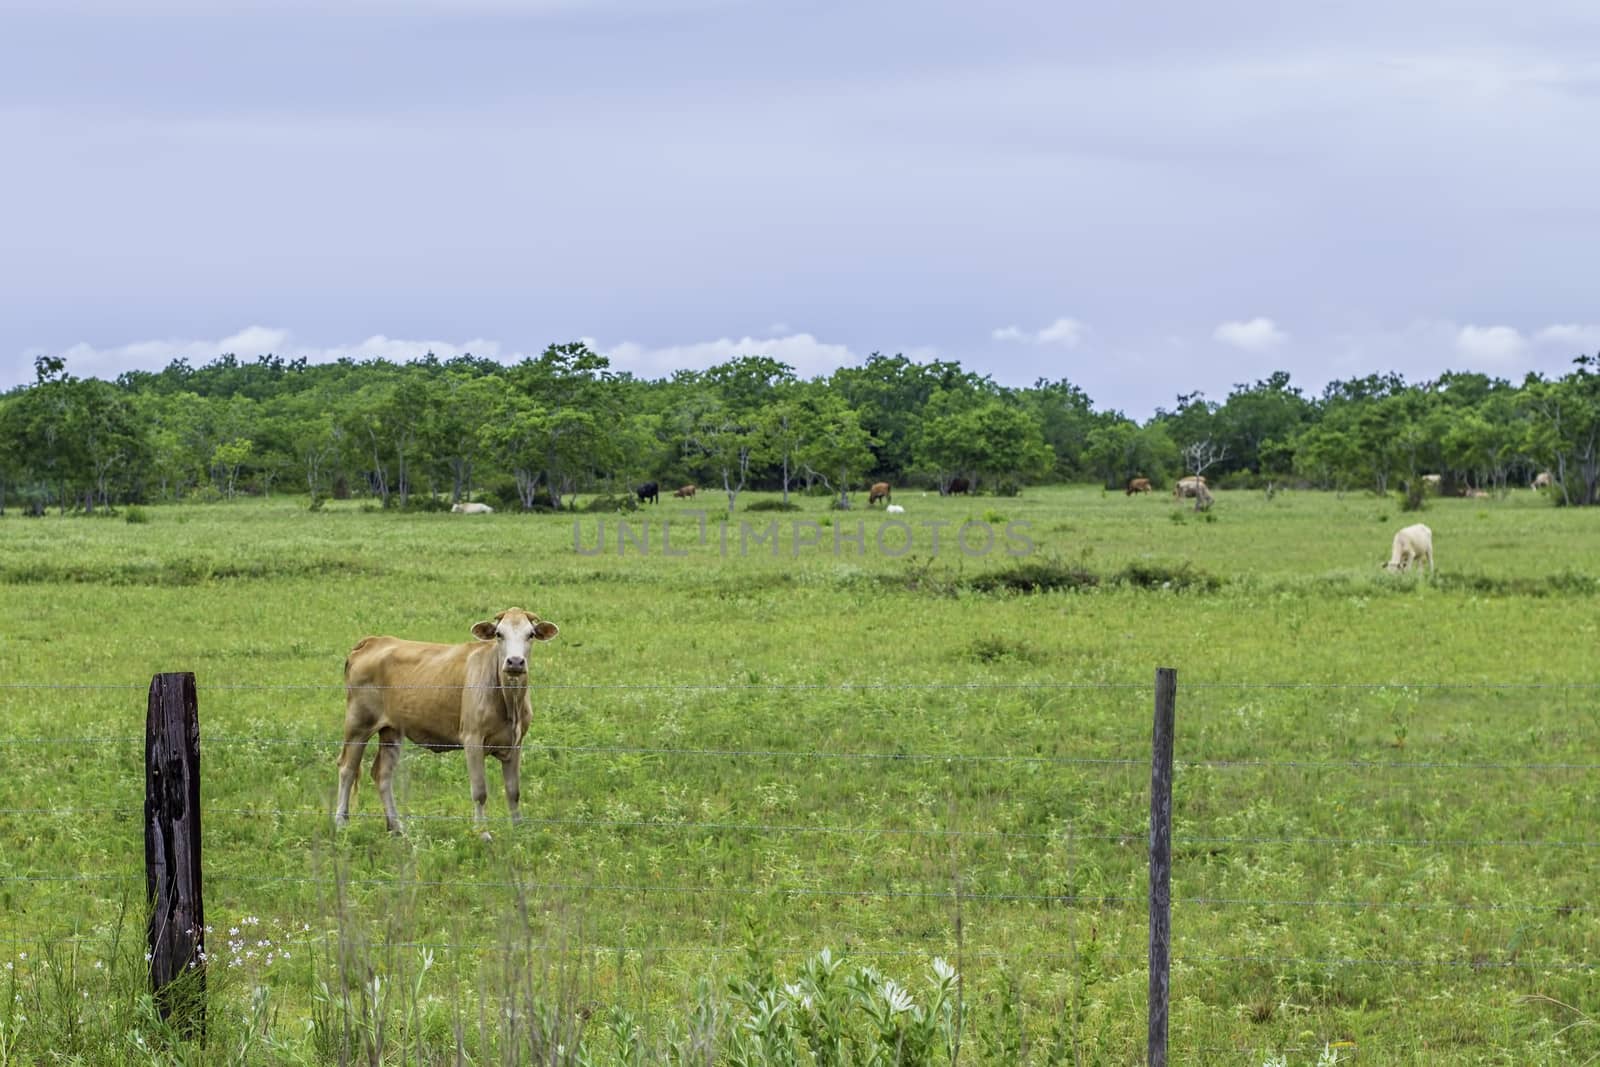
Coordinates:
516	665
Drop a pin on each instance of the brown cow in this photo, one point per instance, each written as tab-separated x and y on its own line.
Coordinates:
687	491
1138	485
879	491
472	696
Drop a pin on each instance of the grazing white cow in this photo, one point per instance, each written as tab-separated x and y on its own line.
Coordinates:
1411	544
472	509
1543	480
472	696
895	509
1189	486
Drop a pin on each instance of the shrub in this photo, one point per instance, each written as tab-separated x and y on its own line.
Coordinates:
136	516
1036	576
609	504
1007	487
1414	496
501	494
1146	575
426	502
771	505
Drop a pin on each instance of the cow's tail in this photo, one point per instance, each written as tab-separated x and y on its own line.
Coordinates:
344	749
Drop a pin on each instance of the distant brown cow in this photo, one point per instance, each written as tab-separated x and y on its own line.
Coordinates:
959	485
879	491
1138	485
472	696
687	491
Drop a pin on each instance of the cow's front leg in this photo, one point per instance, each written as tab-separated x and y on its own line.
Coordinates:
480	784
511	771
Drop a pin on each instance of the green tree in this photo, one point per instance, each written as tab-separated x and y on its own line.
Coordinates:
1120	449
837	448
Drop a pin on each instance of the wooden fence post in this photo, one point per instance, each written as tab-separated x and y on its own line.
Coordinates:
177	937
1161	863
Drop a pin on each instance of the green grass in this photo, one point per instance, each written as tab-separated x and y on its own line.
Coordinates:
702	806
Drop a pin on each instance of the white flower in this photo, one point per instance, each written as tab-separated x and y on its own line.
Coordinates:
22	955
233	931
943	969
10	966
148	957
99	965
897	999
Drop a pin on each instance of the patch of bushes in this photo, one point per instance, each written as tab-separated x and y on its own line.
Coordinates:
609	504
1413	496
192	570
771	505
136	516
426	502
1001	649
1181	576
1035	575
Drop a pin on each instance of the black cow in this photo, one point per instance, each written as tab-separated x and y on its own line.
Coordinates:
649	491
959	485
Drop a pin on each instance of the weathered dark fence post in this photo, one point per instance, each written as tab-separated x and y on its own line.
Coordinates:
172	852
1161	863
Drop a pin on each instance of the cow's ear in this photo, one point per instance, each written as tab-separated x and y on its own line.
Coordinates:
544	631
483	631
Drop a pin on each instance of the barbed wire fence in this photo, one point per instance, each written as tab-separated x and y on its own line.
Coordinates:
1074	835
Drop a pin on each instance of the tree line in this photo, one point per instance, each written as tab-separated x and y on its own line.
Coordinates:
536	434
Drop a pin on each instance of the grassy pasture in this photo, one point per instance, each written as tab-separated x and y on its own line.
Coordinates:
705	800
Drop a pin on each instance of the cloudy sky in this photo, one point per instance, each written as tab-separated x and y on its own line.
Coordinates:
1145	199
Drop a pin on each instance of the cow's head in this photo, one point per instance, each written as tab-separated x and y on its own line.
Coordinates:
512	631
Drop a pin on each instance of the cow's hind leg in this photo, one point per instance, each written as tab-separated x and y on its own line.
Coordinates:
511	771
383	773
473	746
355	746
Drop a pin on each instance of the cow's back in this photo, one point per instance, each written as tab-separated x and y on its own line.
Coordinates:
414	686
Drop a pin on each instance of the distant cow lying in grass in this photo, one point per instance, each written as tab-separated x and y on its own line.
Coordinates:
1411	545
472	509
472	696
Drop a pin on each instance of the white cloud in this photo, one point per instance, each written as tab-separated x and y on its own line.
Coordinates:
802	351
88	361
1064	331
1582	336
1257	335
1492	344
